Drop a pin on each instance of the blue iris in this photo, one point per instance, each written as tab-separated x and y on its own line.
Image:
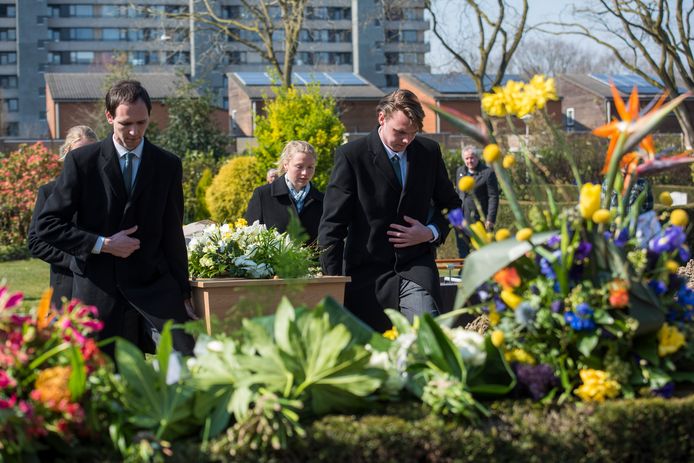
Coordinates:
455	217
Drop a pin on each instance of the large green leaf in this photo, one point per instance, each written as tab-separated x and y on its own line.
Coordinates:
646	308
438	348
482	264
495	377
78	374
283	325
360	331
164	350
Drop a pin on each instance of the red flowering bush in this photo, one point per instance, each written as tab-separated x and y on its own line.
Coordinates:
23	172
54	380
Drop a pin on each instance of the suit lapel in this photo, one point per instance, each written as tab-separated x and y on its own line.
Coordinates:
110	166
381	162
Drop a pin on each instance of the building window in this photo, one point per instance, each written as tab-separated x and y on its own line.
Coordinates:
570	119
114	34
8	57
8	11
42	115
178	57
81	33
81	11
8	81
225	102
81	57
323	12
12	105
392	80
12	129
392	58
8	35
236	57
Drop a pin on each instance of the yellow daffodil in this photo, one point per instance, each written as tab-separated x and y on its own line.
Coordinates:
597	386
466	183
665	198
520	356
589	200
679	217
510	298
524	234
509	161
493	103
478	229
601	216
240	222
542	90
672	266
497	338
670	339
391	333
502	234
491	153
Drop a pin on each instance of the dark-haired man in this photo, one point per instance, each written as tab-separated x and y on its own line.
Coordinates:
117	207
382	215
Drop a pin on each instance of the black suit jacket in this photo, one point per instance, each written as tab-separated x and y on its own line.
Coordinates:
270	205
486	190
362	199
89	200
61	275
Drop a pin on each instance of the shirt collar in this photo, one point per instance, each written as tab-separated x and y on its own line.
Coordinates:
122	150
293	190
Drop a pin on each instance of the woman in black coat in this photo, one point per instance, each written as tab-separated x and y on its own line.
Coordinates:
61	275
270	204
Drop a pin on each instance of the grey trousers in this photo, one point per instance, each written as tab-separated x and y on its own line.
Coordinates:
415	300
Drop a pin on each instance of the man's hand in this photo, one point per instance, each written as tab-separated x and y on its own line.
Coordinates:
403	236
120	244
190	310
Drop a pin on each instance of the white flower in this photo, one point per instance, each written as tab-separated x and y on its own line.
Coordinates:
470	344
206	261
379	360
215	346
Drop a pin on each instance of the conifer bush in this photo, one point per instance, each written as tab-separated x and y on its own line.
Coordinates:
231	189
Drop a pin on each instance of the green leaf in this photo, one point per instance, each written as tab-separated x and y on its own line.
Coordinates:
680	376
283	323
495	377
482	264
647	348
164	349
587	343
361	332
646	308
78	374
438	348
399	321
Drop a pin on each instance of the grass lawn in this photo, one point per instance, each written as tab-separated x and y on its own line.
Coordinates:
29	276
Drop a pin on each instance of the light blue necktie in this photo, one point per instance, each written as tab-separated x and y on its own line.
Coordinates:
395	161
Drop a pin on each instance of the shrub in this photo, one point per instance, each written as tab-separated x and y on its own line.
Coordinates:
231	189
23	172
195	166
201	209
296	114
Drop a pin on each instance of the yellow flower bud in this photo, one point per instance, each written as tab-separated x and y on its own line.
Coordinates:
524	234
494	317
509	161
589	200
679	217
672	266
502	234
491	153
601	216
510	298
466	183
497	338
665	198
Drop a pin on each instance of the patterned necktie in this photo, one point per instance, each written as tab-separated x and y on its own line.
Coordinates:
395	160
128	172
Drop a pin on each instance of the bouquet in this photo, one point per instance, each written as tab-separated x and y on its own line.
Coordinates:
53	377
584	301
248	251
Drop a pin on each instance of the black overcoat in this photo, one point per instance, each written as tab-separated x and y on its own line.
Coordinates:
362	200
486	190
270	205
61	275
89	200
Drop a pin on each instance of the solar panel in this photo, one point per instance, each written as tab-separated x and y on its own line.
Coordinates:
626	82
303	78
346	78
457	83
254	78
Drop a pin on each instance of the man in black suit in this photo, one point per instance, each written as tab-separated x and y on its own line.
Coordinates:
486	190
117	207
382	215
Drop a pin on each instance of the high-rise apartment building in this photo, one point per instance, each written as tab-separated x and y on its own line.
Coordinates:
374	38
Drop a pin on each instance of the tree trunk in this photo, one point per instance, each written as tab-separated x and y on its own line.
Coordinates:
684	118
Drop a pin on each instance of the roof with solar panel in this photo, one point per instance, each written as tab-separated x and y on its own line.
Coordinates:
341	85
450	86
600	84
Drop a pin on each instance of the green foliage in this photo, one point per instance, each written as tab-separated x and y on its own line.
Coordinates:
231	189
191	127
295	114
23	172
199	167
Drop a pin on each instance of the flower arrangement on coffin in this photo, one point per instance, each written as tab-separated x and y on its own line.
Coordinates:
250	251
584	301
52	374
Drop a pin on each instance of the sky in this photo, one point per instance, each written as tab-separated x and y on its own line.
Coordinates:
539	11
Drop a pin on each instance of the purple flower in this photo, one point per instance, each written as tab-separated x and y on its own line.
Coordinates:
685	296
455	217
553	241
665	391
622	237
684	253
500	306
582	319
658	287
667	240
583	250
546	269
557	306
584	310
537	380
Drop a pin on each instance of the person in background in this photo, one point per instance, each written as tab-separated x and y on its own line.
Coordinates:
486	190
383	218
117	207
271	175
61	275
292	190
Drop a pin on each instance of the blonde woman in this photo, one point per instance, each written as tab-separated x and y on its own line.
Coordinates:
270	204
61	275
